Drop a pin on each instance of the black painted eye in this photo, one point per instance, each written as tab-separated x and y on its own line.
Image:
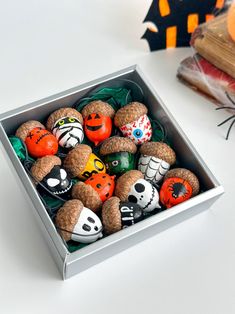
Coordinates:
98	185
91	220
89	117
86	227
132	199
96	228
139	187
97	116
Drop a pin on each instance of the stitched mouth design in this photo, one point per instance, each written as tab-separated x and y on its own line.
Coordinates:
63	191
94	128
151	199
41	137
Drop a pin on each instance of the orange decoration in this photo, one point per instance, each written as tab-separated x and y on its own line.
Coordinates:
219	4
193	20
164	7
97	127
40	143
175	191
103	184
231	21
209	17
171	36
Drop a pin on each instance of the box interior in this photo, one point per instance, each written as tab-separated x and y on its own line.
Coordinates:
188	159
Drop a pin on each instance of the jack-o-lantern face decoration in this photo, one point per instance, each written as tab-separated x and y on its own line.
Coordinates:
97	127
175	191
103	184
40	143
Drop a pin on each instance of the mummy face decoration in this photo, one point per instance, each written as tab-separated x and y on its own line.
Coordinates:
57	181
145	195
68	131
88	229
139	131
153	169
130	213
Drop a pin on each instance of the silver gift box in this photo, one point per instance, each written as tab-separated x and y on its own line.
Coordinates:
70	264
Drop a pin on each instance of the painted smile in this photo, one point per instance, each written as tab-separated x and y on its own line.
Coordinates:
94	128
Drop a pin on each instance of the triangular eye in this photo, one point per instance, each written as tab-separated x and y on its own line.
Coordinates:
52	182
63	174
97	116
89	117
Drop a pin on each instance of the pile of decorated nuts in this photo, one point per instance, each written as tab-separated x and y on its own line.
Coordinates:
128	180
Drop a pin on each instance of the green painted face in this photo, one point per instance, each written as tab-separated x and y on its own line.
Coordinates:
119	163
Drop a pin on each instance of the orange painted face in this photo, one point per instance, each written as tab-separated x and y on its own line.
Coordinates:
103	184
40	143
97	127
175	191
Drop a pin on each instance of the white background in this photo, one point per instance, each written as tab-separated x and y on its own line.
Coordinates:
49	46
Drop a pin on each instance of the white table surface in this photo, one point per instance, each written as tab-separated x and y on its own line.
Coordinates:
50	46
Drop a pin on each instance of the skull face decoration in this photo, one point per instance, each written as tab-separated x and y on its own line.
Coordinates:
145	195
155	160
57	181
66	125
68	131
78	223
134	123
131	187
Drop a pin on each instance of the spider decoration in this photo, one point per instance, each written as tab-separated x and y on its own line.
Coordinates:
175	191
229	118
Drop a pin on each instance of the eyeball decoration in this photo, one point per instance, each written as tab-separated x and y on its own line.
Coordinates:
98	121
80	162
118	154
78	223
38	140
117	215
94	191
179	185
66	125
155	160
131	187
134	123
48	171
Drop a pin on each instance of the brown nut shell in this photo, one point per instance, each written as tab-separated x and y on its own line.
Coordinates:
43	166
26	127
67	217
89	197
159	150
63	113
111	216
98	106
186	175
125	182
76	160
129	113
117	144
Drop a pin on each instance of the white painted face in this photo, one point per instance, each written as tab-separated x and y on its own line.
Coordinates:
88	228
139	131
68	131
153	169
145	195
